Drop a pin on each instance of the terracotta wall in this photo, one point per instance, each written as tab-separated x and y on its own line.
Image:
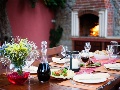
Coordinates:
31	23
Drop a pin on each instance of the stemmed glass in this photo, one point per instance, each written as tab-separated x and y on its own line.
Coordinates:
110	50
115	48
33	55
63	52
85	57
87	46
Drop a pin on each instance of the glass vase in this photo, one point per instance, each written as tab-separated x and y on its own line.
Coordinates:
16	78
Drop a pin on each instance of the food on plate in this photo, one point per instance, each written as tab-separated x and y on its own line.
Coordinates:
60	72
100	55
91	64
97	64
103	52
82	64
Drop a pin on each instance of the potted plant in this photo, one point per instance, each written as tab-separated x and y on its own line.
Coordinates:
55	36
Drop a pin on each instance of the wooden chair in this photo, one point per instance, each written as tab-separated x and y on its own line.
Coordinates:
55	51
51	52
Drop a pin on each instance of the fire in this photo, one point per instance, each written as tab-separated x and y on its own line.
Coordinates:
94	31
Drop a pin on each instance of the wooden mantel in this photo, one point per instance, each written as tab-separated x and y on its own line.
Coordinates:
97	43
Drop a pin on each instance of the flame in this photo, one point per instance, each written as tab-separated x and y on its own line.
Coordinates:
94	31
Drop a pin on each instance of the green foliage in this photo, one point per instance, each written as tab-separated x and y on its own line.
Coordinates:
55	36
54	4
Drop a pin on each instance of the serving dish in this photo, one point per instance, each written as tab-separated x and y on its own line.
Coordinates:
100	56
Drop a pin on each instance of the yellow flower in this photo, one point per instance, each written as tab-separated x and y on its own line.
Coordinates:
18	51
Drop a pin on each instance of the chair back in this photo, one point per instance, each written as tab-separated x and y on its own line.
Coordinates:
51	52
55	51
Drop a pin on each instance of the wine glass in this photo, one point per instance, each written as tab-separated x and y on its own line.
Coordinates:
110	50
63	52
115	48
33	55
87	46
85	57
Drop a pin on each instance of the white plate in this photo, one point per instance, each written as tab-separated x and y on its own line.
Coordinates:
70	74
33	69
100	57
57	60
91	78
115	66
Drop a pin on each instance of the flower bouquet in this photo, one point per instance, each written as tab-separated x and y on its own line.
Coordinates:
18	51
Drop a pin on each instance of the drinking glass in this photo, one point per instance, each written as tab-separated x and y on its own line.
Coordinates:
33	55
65	56
85	57
64	50
115	48
110	50
87	46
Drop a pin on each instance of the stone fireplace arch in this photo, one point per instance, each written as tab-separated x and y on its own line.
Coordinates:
102	14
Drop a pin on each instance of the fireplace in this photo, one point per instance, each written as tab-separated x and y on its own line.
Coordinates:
98	18
89	14
98	12
89	25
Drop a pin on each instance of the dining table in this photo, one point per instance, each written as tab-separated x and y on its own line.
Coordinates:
112	83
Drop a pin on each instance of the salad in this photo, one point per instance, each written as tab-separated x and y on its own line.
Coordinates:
60	72
97	64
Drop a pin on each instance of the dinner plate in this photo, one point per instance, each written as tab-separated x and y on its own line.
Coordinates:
70	74
32	69
115	66
59	60
91	78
